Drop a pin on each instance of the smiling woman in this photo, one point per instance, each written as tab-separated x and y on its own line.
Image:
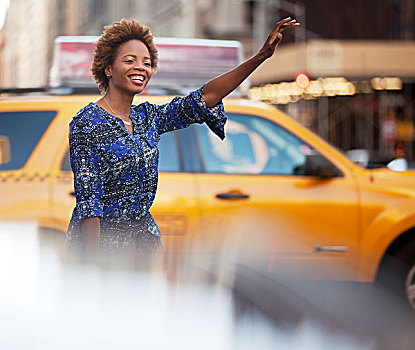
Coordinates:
114	144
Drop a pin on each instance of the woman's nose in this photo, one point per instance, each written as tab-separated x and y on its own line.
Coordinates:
139	66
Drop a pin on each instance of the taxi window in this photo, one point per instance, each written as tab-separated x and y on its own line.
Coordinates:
24	130
66	162
169	160
253	145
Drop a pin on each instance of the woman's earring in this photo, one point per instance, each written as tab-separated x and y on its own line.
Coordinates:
108	76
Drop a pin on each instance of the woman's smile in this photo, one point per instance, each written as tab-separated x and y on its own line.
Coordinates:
138	79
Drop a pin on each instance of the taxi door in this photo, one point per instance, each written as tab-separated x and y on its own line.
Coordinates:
24	176
255	207
175	208
62	196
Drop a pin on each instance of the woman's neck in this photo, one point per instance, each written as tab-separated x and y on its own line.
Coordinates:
121	103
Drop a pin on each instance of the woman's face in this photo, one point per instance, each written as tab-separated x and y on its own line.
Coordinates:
131	70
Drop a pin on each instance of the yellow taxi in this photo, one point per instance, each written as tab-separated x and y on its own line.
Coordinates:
272	189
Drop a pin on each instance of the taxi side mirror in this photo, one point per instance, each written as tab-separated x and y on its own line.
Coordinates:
4	149
398	164
317	165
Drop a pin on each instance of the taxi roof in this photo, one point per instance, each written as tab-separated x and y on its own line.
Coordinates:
86	98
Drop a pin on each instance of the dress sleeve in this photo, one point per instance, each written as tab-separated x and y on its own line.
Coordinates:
86	166
183	111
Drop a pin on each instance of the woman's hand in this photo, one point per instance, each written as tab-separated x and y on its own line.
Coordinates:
90	229
275	37
219	87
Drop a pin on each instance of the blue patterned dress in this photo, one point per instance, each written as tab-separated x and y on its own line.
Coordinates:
116	172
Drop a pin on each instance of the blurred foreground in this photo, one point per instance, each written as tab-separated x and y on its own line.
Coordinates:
50	300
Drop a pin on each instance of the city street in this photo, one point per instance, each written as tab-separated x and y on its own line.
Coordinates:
365	310
47	297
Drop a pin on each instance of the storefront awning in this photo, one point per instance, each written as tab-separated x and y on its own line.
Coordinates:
349	59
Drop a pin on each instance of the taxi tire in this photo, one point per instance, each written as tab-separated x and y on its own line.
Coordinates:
396	270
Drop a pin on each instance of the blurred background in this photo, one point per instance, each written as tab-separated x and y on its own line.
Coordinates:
358	56
347	73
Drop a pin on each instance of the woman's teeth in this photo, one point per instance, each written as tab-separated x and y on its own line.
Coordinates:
139	78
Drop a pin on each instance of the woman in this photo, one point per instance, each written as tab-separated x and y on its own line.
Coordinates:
113	144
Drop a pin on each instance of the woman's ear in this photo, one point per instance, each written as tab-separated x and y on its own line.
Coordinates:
108	72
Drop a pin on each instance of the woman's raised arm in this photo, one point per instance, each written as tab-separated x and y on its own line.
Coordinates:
221	86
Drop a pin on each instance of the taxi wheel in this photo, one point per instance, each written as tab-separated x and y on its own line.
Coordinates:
397	272
410	286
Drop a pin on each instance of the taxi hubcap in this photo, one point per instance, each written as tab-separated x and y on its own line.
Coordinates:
410	286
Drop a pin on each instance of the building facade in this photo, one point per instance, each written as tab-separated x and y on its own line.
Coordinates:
27	41
358	55
359	59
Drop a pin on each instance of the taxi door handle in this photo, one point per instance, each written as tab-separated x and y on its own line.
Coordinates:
330	248
232	195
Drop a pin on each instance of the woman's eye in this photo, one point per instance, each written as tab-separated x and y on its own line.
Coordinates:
148	64
129	61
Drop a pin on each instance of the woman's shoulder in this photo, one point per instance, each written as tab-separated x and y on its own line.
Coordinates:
87	117
144	112
144	107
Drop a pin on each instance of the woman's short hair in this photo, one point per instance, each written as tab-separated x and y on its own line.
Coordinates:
113	36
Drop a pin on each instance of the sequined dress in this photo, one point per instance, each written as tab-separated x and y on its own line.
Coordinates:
116	172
